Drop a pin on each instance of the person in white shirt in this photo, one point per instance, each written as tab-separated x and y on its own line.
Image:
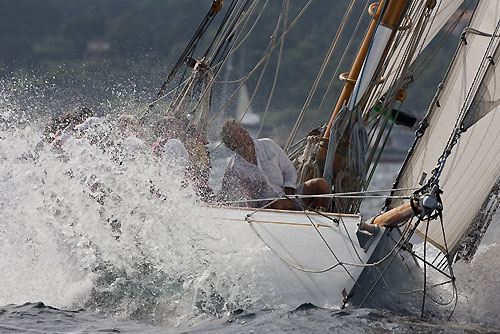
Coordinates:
261	169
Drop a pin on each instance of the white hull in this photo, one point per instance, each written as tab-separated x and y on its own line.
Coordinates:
291	236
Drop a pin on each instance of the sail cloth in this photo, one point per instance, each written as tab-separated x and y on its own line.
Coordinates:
439	16
474	165
487	97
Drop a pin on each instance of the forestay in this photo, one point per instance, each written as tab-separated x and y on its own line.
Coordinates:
474	165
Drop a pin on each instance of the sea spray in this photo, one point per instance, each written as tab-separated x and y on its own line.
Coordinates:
161	262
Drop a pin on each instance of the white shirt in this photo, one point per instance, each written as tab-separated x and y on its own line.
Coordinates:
273	173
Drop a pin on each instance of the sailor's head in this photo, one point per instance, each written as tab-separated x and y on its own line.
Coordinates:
234	136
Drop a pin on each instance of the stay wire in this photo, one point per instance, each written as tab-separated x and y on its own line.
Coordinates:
191	44
276	72
264	57
221	26
321	71
273	38
339	64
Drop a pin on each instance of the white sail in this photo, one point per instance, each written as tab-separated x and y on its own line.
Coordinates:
474	165
439	16
244	111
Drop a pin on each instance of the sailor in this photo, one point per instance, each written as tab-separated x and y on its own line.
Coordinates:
172	134
260	169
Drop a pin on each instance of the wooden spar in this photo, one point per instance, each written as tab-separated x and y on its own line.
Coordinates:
390	18
396	216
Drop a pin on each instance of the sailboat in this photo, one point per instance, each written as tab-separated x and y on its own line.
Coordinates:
338	258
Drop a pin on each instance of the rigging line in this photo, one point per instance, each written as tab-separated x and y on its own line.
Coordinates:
241	42
381	150
391	65
450	265
419	68
390	262
339	64
225	27
330	195
225	58
231	28
229	38
393	68
245	79
343	225
403	239
276	72
398	78
328	246
430	264
321	71
284	259
491	51
197	35
334	255
170	92
250	30
314	196
273	38
397	247
221	26
283	35
425	267
409	51
261	61
435	10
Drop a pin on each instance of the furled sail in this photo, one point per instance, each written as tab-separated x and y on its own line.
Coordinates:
474	164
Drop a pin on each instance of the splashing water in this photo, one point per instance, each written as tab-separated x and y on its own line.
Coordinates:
81	229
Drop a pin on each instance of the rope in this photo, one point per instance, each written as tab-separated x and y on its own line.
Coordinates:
478	32
273	38
278	64
261	61
326	61
189	49
425	267
247	35
287	261
210	84
339	64
221	26
419	68
230	29
457	131
311	196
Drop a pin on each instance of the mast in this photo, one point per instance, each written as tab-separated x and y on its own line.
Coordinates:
390	19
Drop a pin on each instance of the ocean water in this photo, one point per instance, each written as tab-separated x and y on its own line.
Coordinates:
67	268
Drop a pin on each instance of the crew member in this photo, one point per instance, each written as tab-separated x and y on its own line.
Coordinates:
260	169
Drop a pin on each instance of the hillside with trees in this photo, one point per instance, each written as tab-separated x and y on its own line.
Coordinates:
89	45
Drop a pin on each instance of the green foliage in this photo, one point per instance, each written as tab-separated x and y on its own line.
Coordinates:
110	40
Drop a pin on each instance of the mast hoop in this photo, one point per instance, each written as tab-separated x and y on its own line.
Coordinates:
372	10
